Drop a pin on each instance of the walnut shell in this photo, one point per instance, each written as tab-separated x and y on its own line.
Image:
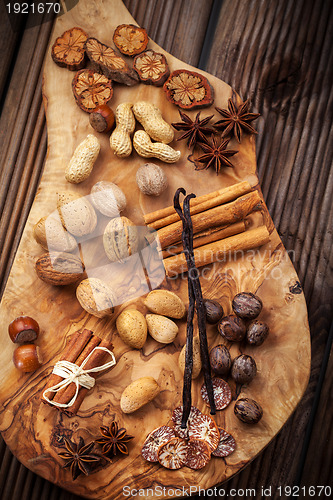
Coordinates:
108	198
120	239
96	297
59	268
151	179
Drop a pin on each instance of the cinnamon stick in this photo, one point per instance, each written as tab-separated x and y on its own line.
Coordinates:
217	250
220	196
226	214
205	237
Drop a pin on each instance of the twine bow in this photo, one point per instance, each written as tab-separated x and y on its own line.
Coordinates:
72	373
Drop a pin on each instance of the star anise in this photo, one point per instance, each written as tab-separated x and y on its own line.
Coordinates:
235	119
78	457
195	131
216	155
114	439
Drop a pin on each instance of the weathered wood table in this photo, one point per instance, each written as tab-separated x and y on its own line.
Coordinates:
279	55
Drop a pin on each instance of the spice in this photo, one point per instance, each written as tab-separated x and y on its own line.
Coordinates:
256	332
248	410
68	49
130	39
236	119
247	305
154	440
215	155
188	90
79	457
232	328
220	359
243	369
226	446
214	311
194	131
114	439
91	89
222	393
152	67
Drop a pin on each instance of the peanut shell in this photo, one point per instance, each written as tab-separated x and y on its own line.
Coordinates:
83	159
151	119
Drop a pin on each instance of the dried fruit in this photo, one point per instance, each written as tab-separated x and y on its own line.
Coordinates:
197	364
165	303
172	454
96	297
120	140
194	131
222	393
244	369
214	311
114	440
132	328
102	118
226	446
91	89
120	239
215	155
220	359
235	119
154	440
76	213
248	410
148	149
51	234
247	305
152	67
188	90
26	358
79	457
23	329
177	420
151	179
203	427
68	49
162	329
108	198
130	39
150	117
139	393
59	268
257	332
83	159
232	328
111	64
198	454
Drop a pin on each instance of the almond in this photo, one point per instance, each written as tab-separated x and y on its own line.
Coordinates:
139	393
165	303
196	358
59	268
77	214
162	329
132	328
51	235
96	297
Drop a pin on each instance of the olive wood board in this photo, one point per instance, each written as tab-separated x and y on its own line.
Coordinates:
30	428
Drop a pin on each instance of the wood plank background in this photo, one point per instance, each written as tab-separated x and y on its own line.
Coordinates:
278	53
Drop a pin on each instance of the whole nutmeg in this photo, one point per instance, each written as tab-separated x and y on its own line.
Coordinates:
23	329
102	118
232	328
248	410
26	358
151	179
120	239
257	332
247	305
214	311
108	198
244	369
220	359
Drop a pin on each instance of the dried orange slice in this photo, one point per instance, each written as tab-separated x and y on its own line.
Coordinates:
173	453
226	446
68	49
152	67
222	393
91	89
203	427
130	39
154	440
188	90
177	420
198	454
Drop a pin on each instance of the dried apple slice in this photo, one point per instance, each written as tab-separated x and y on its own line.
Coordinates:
68	49
226	446
130	39
177	420
198	454
188	90
173	453
222	393
154	440
111	64
203	427
91	89
152	67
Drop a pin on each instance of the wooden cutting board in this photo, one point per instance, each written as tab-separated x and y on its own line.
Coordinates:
31	428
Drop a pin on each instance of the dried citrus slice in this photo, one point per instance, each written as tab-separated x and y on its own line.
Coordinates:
130	39
198	454
91	89
226	446
203	427
177	420
68	49
152	67
154	440
222	393
188	90
173	453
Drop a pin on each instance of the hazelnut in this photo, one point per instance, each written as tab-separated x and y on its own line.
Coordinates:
151	179
23	329
232	328
248	410
257	332
214	311
247	305
102	118
220	359
244	369
26	358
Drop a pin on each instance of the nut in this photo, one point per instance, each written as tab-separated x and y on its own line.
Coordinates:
197	365
248	410
102	119
26	358
76	213
162	329
232	328
165	303
51	234
247	305
139	393
96	297
132	328
83	159
244	369
144	147
257	332
220	359
120	140
23	329
108	198
214	311
151	119
59	268
151	179
120	239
